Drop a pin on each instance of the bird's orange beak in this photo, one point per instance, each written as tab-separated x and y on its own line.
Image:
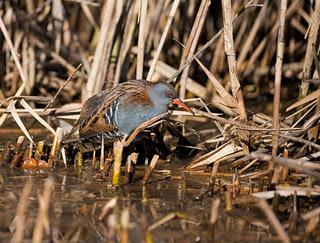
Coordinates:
180	103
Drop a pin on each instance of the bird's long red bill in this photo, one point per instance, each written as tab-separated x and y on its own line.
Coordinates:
180	103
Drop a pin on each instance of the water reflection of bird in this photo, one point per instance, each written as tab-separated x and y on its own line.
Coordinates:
115	113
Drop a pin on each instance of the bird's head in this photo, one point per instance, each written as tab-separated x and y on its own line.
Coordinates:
164	94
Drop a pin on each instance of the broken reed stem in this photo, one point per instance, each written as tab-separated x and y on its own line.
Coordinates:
55	148
78	160
28	152
228	197
308	60
172	13
102	164
39	150
42	221
19	220
94	159
267	210
16	151
214	172
131	162
214	210
278	76
142	37
117	150
150	168
6	154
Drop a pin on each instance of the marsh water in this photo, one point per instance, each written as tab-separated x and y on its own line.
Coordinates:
80	194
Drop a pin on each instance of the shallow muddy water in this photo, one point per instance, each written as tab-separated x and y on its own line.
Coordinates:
79	196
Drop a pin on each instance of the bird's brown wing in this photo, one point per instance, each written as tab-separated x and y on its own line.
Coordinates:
90	110
92	117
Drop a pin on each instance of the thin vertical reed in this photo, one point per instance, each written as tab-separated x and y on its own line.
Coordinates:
172	13
312	39
278	76
142	37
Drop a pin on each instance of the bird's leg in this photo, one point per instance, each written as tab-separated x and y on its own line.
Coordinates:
143	126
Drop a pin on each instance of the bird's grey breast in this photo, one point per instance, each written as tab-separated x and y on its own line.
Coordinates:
130	116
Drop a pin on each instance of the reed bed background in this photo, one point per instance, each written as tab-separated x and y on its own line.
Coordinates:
253	63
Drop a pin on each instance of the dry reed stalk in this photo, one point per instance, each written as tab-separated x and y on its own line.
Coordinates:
226	97
192	44
228	200
130	164
264	206
86	10
96	80
78	160
278	76
231	57
18	120
42	220
311	45
17	62
268	39
296	164
208	44
102	164
127	41
150	168
252	35
29	109
62	87
143	126
94	159
214	210
142	38
6	154
16	151
20	218
117	149
55	147
14	53
242	126
193	87
172	13
27	154
39	150
300	140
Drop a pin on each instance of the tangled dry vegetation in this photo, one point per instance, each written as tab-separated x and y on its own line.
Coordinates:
254	63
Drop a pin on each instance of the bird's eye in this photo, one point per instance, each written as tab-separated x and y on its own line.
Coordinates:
169	94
